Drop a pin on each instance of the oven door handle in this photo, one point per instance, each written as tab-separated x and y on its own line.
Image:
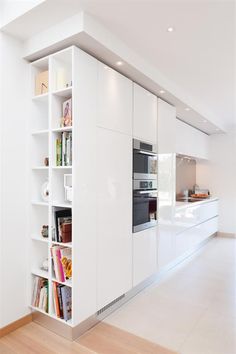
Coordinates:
149	153
146	191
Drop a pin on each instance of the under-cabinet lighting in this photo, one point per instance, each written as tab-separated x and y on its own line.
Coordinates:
162	91
119	63
187	109
170	29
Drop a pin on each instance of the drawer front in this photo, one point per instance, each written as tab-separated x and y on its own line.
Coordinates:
190	238
144	255
193	215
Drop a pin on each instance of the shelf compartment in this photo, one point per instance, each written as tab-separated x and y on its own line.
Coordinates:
38	218
39	177
40	67
57	109
62	70
39	146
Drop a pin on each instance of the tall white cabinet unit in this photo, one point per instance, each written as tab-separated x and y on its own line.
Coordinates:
166	140
114	185
144	115
79	71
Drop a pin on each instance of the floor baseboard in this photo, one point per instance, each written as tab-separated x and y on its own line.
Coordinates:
14	325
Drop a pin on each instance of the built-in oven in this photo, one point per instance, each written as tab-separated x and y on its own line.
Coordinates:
144	160
144	185
144	204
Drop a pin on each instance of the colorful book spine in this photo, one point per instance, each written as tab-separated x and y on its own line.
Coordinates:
58	152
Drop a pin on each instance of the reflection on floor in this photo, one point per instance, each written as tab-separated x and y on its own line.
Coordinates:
193	310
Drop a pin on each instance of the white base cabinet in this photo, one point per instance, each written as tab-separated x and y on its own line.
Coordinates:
187	240
114	215
144	255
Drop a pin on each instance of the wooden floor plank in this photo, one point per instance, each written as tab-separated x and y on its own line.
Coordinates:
102	339
107	339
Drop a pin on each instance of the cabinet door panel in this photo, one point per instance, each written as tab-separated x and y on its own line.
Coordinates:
114	215
145	115
114	100
165	246
144	255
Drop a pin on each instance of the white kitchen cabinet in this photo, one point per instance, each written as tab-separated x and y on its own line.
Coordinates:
190	238
114	215
165	246
144	114
114	100
192	215
191	142
166	127
144	254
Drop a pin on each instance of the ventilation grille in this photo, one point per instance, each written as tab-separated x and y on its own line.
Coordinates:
110	305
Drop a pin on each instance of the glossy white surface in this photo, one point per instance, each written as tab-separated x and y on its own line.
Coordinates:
144	254
191	142
84	186
193	309
114	215
194	214
144	114
166	127
114	100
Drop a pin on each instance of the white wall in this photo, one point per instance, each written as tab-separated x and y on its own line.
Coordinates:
219	175
11	9
14	182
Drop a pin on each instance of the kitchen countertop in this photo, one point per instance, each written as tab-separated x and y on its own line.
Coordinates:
182	205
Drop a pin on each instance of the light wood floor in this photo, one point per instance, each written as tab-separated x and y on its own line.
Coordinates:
102	339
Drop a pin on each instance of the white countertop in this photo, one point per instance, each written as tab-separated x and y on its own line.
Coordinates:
182	205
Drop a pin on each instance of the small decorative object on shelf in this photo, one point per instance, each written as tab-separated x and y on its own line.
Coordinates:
45	191
68	187
41	83
66	120
44	231
44	265
46	161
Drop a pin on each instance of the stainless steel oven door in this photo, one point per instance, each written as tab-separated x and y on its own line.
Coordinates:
144	165
144	209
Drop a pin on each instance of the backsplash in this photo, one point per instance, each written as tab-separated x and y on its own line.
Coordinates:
185	174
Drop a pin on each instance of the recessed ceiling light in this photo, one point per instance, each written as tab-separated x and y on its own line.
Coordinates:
119	63
187	109
162	91
170	29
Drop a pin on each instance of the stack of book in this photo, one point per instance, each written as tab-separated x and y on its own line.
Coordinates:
40	294
62	301
62	263
63	226
64	149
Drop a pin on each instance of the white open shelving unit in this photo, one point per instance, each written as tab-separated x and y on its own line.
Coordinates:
45	128
80	71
